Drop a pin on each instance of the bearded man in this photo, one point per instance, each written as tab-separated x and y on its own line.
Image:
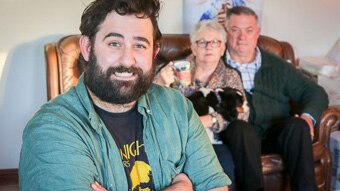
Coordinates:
116	130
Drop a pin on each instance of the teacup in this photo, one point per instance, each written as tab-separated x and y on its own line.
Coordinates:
183	71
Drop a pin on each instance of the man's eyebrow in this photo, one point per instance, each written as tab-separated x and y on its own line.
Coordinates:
112	34
139	38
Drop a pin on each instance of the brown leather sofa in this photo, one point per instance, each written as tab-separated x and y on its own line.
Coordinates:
64	67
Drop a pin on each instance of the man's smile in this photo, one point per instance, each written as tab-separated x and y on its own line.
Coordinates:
124	75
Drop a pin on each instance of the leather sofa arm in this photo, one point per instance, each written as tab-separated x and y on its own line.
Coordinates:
330	121
288	53
52	71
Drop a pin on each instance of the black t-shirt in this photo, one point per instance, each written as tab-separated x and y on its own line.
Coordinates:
127	131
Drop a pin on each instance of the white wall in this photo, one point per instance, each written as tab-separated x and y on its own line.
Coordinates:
311	26
26	25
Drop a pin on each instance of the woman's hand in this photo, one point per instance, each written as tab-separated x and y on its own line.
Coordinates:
208	122
166	76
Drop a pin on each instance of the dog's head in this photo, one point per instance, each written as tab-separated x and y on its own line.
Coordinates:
231	103
227	101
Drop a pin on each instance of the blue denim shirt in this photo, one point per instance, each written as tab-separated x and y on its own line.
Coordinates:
66	146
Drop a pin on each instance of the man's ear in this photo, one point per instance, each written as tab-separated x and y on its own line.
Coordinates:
85	46
156	50
258	32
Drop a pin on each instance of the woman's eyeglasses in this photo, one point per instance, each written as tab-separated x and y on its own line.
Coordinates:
203	43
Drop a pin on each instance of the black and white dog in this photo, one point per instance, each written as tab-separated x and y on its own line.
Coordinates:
227	101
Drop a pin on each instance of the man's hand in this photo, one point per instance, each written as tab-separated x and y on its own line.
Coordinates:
225	188
97	187
181	182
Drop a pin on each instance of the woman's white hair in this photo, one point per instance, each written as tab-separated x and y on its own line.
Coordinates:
207	24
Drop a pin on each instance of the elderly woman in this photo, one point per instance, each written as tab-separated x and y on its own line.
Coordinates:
208	40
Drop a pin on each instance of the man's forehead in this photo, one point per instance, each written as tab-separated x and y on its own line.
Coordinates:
126	25
245	20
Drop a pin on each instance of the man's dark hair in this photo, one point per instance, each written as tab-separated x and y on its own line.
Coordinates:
241	10
96	12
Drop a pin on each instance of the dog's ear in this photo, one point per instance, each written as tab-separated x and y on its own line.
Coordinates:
240	98
239	92
231	99
200	103
235	95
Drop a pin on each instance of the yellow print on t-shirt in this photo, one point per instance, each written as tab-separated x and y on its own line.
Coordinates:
140	173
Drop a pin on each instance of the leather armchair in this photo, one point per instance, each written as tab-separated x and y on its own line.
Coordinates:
64	67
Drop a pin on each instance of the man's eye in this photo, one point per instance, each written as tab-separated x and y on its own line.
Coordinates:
235	30
250	31
140	46
115	44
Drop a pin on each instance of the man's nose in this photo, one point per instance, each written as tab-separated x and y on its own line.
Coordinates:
242	34
127	58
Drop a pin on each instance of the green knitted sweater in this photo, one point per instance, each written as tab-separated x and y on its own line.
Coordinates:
275	84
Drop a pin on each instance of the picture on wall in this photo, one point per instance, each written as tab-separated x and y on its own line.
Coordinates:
197	10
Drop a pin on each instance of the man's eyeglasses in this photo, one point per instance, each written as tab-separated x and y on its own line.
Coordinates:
203	43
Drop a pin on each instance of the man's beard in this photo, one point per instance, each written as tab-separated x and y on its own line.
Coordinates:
116	91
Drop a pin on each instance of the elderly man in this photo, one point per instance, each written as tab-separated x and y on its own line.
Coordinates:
270	83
